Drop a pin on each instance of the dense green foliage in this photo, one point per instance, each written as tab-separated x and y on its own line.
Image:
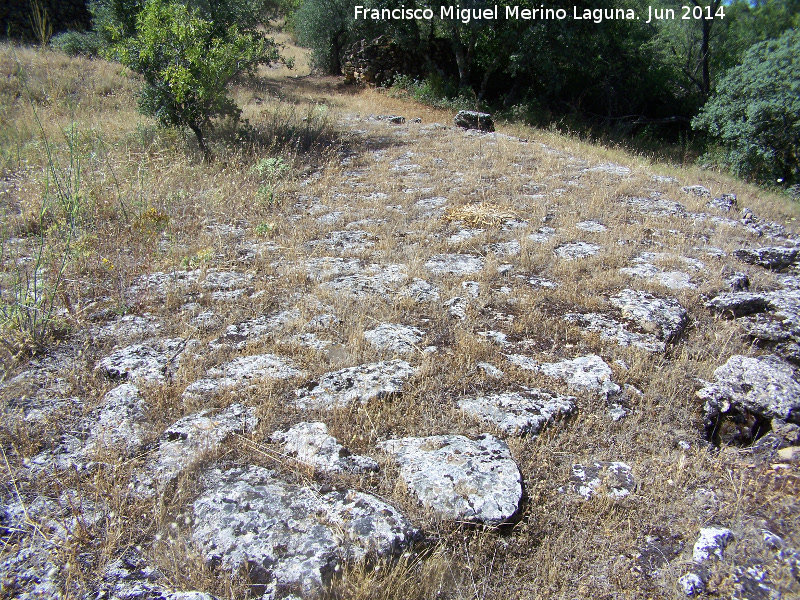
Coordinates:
626	75
74	43
187	62
755	113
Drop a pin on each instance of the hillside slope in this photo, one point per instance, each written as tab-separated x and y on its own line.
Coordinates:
381	358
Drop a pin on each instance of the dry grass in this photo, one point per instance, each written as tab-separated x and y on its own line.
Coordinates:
148	203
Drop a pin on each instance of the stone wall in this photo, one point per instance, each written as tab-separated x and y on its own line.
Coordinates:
16	17
378	61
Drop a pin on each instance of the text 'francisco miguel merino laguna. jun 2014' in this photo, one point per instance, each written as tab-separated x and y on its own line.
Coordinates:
497	12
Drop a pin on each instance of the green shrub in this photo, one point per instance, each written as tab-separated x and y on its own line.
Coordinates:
434	91
755	114
187	63
74	43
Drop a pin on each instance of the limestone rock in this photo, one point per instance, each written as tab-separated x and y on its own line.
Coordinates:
656	206
457	307
665	317
519	413
149	361
127	328
239	335
242	371
766	387
576	250
696	190
291	538
119	420
739	304
644	266
455	264
310	444
325	267
159	284
774	258
591	226
355	384
692	584
613	330
341	242
511	248
711	544
614	477
725	203
130	578
187	441
378	280
738	281
257	366
608	168
586	373
459	478
420	291
391	337
470	119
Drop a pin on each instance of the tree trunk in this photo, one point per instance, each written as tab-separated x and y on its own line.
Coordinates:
336	50
200	141
705	48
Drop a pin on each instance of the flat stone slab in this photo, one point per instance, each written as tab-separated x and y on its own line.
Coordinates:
774	258
353	241
611	329
576	250
242	371
663	317
586	373
148	361
290	537
225	280
518	413
420	291
119	421
591	226
656	206
310	444
725	203
614	477
771	317
355	384
395	338
463	235
455	264
325	267
237	336
187	441
542	235
645	266
511	248
609	169
257	366
378	280
458	478
765	386
159	284
127	328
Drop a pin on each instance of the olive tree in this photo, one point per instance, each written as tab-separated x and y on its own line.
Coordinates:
187	62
